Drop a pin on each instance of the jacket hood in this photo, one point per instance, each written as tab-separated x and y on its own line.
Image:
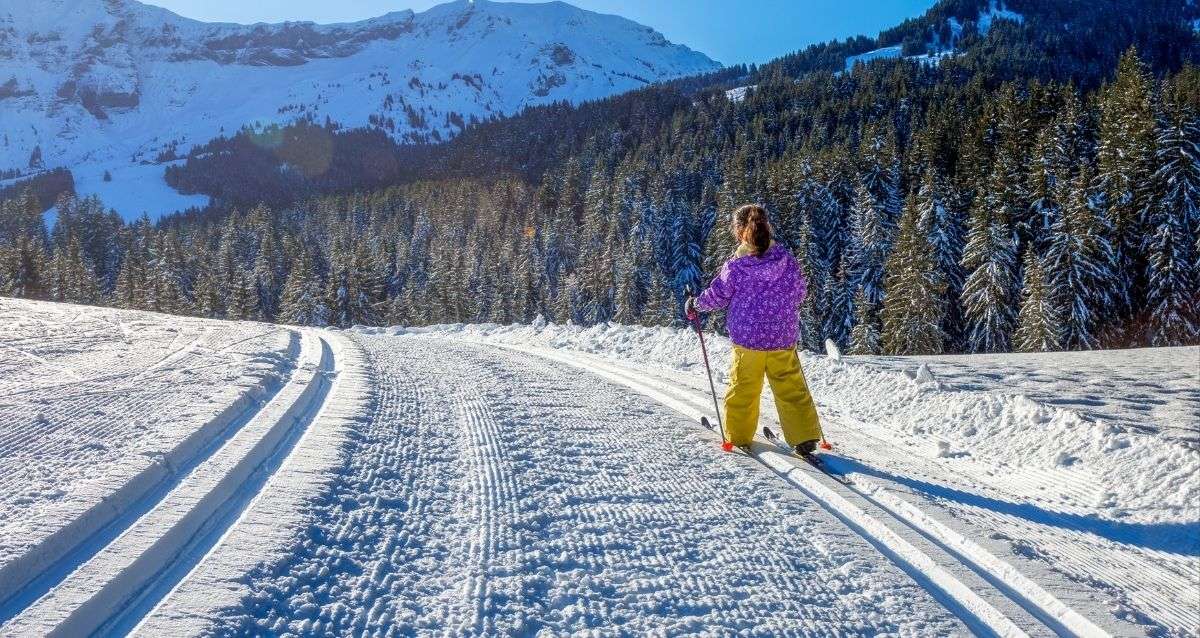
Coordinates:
771	266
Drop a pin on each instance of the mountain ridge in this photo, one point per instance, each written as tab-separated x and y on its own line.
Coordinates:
110	87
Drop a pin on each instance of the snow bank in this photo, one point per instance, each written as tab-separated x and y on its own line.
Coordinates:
1028	448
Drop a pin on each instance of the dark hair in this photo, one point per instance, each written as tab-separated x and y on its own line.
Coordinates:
752	220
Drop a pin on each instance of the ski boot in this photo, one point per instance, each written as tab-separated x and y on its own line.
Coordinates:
806	448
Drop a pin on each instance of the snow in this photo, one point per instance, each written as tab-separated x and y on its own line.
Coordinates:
163	83
134	189
739	93
517	480
100	406
996	12
1113	503
878	54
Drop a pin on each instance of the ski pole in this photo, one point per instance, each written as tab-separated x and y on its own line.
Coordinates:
726	444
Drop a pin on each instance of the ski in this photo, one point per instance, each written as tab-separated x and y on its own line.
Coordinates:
812	460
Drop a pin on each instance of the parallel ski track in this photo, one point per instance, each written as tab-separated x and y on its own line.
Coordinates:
1021	600
119	580
1163	584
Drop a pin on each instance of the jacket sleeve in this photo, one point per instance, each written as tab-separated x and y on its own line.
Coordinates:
719	292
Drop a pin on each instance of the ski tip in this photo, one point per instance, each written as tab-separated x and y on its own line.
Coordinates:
727	446
705	422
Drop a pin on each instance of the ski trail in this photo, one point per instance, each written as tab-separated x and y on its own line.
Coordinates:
494	495
271	521
1003	578
111	589
594	512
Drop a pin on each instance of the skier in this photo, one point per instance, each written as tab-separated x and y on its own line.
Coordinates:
761	287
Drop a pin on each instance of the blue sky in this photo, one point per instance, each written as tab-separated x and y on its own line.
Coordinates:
730	31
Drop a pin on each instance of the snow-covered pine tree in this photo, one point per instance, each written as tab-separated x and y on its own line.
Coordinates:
82	287
1174	283
266	275
1125	158
841	309
208	299
354	287
302	302
1079	264
880	174
130	292
165	275
242	303
660	303
870	243
914	305
989	258
717	240
944	226
628	295
1039	322
864	338
686	251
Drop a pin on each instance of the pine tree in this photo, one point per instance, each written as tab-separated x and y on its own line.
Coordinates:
1079	265
870	245
660	305
131	282
935	212
1173	298
353	288
1039	323
915	304
266	276
242	303
302	303
864	338
1126	165
989	258
208	300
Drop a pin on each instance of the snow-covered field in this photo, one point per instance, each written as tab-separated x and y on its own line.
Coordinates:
489	480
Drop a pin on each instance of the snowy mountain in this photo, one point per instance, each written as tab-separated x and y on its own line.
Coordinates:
113	89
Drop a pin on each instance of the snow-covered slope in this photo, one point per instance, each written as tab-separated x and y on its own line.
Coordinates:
113	85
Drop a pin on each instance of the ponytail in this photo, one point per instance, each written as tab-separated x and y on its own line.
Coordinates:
751	219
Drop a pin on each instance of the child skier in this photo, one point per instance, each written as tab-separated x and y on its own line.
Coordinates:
761	286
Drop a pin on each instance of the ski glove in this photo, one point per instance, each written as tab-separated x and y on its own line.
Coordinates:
689	309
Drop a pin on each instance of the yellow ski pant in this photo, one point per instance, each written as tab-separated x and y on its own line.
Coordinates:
797	414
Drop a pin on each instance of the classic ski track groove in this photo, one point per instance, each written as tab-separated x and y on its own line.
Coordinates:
124	579
90	524
1162	583
1002	578
269	524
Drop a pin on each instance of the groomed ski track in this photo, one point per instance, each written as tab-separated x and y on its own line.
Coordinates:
431	485
112	577
989	595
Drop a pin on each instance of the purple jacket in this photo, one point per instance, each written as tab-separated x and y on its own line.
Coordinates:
763	295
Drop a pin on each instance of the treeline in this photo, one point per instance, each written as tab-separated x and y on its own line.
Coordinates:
1030	217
